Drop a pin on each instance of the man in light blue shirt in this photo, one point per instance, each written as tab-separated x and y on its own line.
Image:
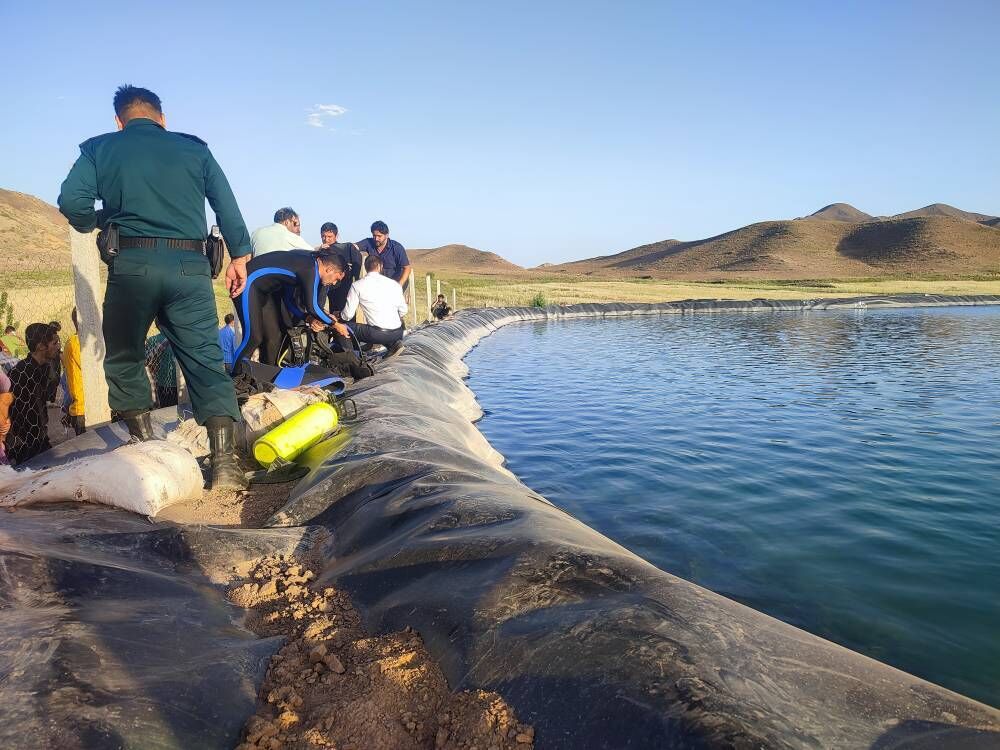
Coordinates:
227	342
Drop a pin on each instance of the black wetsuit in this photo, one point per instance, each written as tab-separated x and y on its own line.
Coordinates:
276	281
352	260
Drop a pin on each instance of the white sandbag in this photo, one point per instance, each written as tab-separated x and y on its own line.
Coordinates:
142	477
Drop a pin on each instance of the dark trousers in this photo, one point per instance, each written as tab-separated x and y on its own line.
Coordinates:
264	326
175	288
367	334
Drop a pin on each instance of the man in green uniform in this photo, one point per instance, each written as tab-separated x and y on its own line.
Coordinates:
153	184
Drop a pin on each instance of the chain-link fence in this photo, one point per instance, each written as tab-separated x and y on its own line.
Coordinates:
42	393
36	292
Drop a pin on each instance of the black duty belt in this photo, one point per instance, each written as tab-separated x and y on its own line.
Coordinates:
151	243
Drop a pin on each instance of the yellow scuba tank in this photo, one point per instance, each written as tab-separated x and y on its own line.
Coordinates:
296	434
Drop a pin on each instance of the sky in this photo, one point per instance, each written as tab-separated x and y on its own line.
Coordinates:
543	131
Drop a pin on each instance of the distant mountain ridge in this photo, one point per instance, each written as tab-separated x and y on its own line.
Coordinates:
847	212
837	241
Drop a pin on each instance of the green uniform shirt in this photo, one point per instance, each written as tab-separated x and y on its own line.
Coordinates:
153	184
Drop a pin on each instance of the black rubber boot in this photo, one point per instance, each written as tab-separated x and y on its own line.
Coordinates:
140	425
226	471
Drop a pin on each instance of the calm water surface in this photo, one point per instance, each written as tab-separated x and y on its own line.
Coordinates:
838	470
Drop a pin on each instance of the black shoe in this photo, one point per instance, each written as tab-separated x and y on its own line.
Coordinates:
394	348
140	425
226	471
361	371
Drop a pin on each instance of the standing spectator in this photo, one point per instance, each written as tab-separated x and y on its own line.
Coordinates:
73	371
153	184
327	235
13	343
30	383
163	367
227	342
283	234
395	264
6	399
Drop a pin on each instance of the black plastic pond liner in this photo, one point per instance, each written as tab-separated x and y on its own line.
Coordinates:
115	632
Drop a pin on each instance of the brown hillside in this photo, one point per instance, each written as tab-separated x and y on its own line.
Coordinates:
839	212
930	244
814	249
943	209
33	234
461	259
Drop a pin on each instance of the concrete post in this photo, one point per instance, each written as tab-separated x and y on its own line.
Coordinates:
89	297
413	297
428	296
439	286
454	299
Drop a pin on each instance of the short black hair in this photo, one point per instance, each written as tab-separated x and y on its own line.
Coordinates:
373	263
332	259
380	226
284	214
229	318
56	324
329	227
440	296
129	97
39	334
10	329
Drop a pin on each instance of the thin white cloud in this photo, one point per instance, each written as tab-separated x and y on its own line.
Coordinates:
319	115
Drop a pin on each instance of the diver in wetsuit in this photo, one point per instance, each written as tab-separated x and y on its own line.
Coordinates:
274	280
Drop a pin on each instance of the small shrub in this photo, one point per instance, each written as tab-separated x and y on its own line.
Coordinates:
6	311
538	300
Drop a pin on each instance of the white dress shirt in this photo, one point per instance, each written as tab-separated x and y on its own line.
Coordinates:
380	299
276	237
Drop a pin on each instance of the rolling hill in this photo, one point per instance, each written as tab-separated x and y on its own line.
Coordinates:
33	234
463	260
943	209
839	212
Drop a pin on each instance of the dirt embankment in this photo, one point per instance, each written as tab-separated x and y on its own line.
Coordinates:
332	685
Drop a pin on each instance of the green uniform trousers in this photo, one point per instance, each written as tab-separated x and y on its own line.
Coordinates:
174	287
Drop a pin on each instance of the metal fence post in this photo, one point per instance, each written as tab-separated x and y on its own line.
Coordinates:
87	291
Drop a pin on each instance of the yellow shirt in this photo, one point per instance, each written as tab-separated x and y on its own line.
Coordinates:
74	375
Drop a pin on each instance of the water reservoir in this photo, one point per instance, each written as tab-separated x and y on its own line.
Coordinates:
837	469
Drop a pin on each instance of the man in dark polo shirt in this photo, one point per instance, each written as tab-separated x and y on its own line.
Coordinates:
395	264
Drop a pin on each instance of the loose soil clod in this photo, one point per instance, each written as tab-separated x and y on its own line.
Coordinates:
334	686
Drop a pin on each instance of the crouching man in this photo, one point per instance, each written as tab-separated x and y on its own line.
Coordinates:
381	300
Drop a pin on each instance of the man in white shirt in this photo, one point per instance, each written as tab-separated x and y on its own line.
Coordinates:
381	300
283	234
